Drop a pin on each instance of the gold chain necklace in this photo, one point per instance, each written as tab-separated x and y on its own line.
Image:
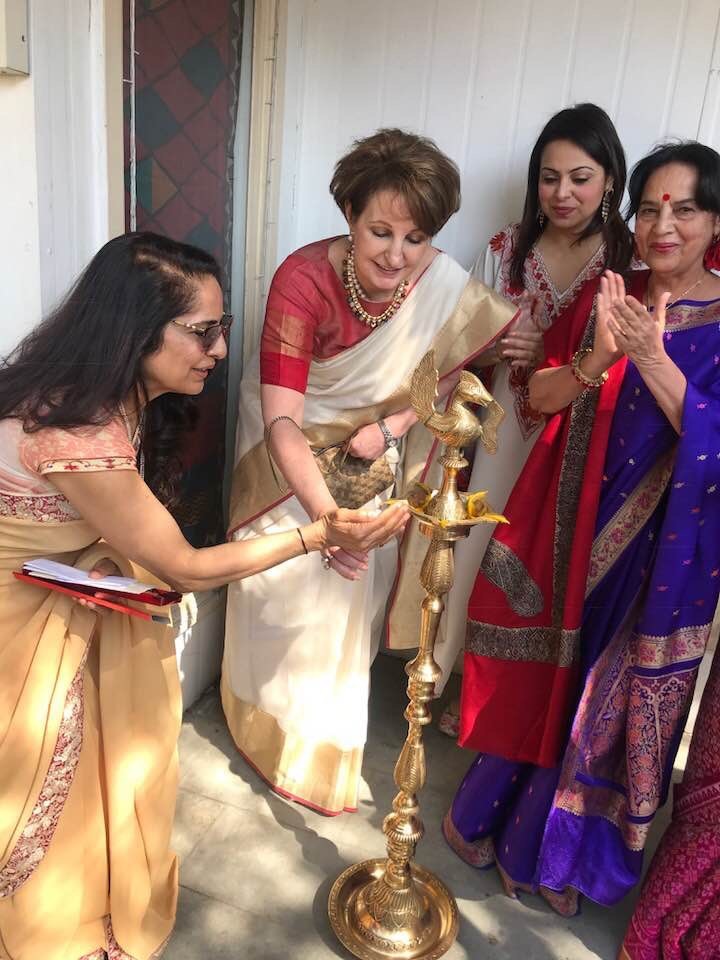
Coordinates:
354	292
677	299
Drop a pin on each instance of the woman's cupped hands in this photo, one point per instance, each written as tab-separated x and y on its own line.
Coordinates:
624	326
350	535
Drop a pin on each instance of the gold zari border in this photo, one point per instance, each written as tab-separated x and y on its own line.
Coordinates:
620	530
533	644
321	775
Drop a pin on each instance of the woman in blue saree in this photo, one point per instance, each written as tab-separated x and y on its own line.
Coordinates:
612	599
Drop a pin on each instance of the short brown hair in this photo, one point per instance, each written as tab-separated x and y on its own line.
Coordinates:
405	163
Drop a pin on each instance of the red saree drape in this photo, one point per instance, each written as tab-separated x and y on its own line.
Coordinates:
524	615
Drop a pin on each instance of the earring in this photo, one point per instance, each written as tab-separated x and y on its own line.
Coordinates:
711	260
605	206
541	219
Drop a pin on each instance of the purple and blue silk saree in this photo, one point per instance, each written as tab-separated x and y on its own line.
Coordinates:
652	588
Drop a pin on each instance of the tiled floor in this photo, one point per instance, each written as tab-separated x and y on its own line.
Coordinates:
256	870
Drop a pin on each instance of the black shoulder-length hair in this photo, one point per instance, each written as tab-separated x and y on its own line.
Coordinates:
704	160
77	366
591	129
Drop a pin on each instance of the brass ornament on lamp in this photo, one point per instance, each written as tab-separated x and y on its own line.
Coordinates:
391	907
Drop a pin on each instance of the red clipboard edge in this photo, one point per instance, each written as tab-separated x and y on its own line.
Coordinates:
155	596
81	595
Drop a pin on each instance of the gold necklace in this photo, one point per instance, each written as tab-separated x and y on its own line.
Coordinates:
355	291
677	299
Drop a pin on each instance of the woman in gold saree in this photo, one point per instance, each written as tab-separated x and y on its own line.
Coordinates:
90	705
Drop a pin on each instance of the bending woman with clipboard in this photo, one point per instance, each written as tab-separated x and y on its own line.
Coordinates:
90	706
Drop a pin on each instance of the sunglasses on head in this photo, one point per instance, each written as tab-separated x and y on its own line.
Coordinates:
208	333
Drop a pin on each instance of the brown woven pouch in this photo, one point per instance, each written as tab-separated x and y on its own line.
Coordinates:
352	481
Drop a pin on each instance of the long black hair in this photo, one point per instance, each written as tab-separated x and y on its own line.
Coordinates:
704	160
591	129
77	366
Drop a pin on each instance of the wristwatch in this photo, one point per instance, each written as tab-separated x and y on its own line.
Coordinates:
390	440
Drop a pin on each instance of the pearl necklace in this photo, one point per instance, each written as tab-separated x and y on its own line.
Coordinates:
135	437
355	291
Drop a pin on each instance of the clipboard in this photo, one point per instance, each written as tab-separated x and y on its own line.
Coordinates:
87	594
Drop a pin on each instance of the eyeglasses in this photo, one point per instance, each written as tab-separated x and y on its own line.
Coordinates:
208	333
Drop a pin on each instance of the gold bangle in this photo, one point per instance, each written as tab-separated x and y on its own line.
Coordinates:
588	382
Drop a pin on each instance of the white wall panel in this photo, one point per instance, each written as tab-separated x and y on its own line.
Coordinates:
710	119
481	77
19	232
67	40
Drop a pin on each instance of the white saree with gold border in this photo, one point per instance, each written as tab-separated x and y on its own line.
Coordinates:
299	639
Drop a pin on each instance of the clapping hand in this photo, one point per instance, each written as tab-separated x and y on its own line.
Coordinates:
628	325
605	347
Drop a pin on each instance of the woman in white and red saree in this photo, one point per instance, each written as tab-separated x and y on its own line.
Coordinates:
592	610
347	322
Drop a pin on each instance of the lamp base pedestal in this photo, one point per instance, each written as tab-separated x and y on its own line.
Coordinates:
425	933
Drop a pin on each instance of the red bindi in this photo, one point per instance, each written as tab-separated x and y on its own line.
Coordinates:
666	197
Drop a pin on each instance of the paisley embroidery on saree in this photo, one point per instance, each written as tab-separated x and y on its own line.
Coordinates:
40	827
686	643
479	853
687	317
616	765
44	509
635	511
508	573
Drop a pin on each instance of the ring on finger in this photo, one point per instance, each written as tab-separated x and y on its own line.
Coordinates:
325	561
